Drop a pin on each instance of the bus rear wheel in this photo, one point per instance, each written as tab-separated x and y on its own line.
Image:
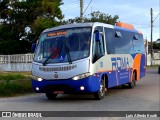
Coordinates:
51	96
132	84
101	93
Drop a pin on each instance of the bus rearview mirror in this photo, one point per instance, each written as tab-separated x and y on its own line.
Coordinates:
97	36
33	47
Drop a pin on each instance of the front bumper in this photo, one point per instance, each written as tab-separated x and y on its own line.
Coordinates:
68	86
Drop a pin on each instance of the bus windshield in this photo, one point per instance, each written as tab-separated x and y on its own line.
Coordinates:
63	45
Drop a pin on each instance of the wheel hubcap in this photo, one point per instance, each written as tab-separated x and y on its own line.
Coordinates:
102	90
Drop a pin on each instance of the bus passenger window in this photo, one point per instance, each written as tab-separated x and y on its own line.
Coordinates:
98	48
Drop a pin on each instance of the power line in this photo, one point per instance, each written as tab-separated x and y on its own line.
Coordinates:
73	2
70	5
68	9
156	17
87	6
98	9
144	27
139	24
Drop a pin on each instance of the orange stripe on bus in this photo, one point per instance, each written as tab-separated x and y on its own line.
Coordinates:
136	65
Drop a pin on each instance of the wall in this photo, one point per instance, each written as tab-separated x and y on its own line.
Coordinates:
18	62
23	62
155	61
15	67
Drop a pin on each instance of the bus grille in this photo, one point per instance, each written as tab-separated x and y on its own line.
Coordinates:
66	68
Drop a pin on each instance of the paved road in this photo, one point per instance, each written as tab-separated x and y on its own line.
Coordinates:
144	97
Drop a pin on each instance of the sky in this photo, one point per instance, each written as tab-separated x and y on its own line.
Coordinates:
135	12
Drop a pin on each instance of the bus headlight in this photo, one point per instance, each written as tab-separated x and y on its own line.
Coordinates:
84	75
37	78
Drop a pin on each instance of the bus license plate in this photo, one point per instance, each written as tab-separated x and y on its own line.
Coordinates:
58	92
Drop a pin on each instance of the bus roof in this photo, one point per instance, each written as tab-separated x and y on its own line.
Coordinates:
78	25
69	26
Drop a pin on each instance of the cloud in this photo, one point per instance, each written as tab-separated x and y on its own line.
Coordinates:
136	12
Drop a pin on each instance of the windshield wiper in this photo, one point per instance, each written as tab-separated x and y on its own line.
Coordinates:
68	54
52	54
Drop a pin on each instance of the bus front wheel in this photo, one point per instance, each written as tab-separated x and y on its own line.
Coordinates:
132	84
51	96
101	93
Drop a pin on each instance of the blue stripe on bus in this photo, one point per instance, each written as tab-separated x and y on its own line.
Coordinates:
142	66
116	78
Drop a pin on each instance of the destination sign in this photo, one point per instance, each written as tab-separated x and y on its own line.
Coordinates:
56	33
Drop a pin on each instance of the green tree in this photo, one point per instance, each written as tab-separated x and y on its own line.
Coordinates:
95	17
44	14
40	24
38	15
156	46
103	17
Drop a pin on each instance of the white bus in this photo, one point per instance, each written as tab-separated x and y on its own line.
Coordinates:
87	58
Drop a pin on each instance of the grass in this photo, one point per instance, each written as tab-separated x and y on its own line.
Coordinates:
152	67
14	83
19	83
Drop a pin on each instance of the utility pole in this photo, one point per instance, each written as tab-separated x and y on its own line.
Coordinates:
81	10
151	36
159	20
91	9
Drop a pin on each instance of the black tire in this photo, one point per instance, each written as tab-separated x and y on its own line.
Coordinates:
101	93
51	96
132	84
159	69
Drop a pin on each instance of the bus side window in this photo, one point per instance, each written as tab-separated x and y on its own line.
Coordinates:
98	48
101	46
138	44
